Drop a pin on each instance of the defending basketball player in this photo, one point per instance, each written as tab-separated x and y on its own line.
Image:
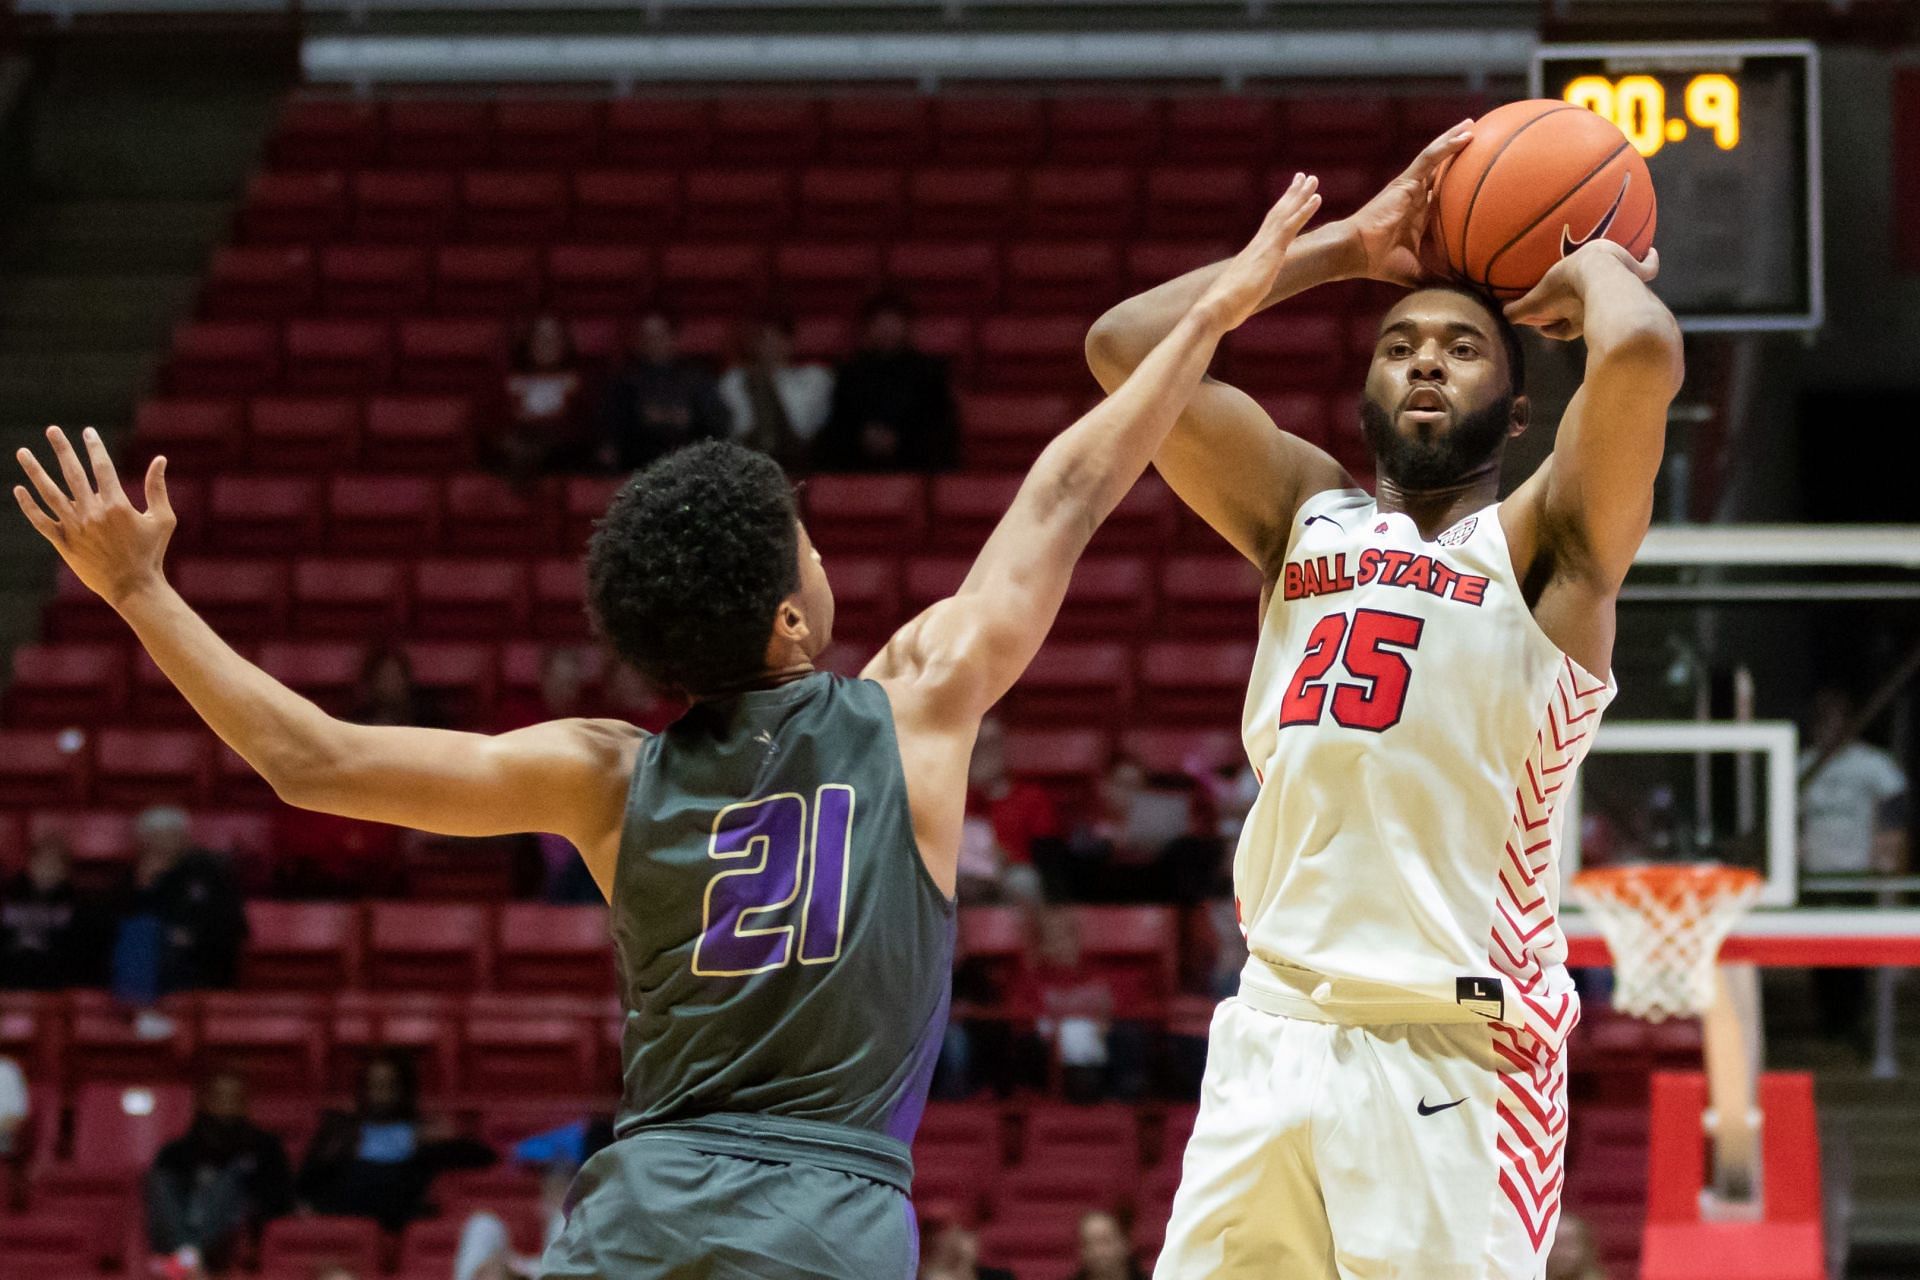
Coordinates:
780	863
1386	1095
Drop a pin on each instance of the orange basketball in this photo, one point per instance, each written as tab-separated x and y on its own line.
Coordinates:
1540	179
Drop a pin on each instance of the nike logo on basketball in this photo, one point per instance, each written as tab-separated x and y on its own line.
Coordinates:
1568	244
1426	1110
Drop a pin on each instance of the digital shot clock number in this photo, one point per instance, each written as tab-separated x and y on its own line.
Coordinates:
1730	132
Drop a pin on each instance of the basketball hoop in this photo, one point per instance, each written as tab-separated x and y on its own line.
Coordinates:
1664	925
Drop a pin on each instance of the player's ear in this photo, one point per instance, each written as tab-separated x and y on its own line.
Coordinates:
789	621
1520	418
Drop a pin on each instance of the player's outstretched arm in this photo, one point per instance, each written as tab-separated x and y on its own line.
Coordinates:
1224	458
1594	499
549	777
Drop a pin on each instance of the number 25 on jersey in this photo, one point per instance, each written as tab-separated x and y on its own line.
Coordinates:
787	897
1370	645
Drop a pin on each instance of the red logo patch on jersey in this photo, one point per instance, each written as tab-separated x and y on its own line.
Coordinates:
1459	533
1381	527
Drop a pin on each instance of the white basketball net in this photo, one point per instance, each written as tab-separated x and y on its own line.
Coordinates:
1664	926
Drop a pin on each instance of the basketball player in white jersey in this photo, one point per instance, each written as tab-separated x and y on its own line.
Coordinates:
1386	1095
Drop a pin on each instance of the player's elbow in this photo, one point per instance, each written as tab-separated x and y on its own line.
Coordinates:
1111	347
1651	346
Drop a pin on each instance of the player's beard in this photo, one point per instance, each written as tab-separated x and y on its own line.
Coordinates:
1435	459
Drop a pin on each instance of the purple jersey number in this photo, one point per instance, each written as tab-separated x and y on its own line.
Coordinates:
792	880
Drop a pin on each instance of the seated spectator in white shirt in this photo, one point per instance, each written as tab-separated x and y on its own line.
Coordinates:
778	407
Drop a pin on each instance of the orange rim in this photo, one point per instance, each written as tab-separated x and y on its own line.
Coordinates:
1666	882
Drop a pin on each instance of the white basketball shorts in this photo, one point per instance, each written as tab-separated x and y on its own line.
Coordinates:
1410	1151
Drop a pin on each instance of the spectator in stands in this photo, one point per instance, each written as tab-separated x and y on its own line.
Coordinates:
1071	1005
1105	1252
212	1189
655	401
950	1250
1149	838
562	693
1853	822
776	406
387	693
892	403
47	934
378	1160
334	1271
543	428
1573	1256
184	924
15	1112
1005	820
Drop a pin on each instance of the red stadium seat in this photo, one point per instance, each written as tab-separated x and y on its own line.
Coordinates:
1194	682
373	280
1083	200
1106	1137
1344	126
1237	129
963	509
428	947
1031	1245
419	1024
632	208
1300	413
550	948
546	133
1182	750
1290	350
1066	756
1041	353
459	678
135	767
1073	683
486	280
1004	432
1425	116
528	1049
875	130
659	132
51	1244
737	204
327	134
520	660
1110	597
585	501
438	135
66	684
338	357
866	513
1104	129
466	599
930	579
1062	275
246	282
153	702
827	277
245	835
302	1243
1209	596
101	845
104	1045
860	204
76	613
1142	943
450	355
379	513
302	433
713	278
403	208
216	358
750	130
348	599
962	276
989	130
1154	262
238	598
511	207
1199	201
419	433
236	782
192	433
486	514
964	202
866	594
596	278
301	946
277	1047
42	766
326	673
263	513
559	598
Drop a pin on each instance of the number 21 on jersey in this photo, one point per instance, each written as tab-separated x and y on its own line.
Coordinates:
1370	645
787	898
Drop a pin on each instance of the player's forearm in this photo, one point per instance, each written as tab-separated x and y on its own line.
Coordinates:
1625	323
1122	338
273	728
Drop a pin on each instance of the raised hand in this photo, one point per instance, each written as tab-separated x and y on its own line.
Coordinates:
1557	305
1391	228
111	547
1242	286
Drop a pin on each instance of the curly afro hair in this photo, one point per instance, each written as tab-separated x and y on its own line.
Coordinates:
689	563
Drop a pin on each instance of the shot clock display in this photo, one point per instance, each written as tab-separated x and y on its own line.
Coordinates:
1730	133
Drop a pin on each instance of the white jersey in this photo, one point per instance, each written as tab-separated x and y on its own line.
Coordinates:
1413	730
